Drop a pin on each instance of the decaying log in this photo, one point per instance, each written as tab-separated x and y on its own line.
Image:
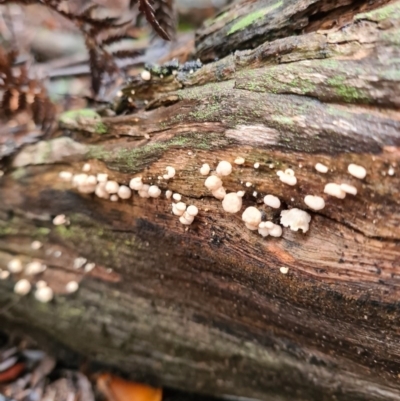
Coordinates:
205	307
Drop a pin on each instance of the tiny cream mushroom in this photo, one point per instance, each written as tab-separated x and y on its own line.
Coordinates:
349	189
287	177
334	190
145	75
178	208
321	168
34	268
295	219
154	191
112	187
357	171
252	218
205	169
232	203
213	182
144	191
219	193
239	160
22	287
224	168
124	192
136	183
314	202
71	286
44	294
100	191
272	201
14	266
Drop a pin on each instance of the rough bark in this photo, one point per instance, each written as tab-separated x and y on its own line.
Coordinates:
206	308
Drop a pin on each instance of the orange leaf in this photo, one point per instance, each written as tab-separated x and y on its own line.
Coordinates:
117	389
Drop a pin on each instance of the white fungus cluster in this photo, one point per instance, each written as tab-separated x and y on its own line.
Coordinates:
232	203
266	228
287	177
296	219
186	215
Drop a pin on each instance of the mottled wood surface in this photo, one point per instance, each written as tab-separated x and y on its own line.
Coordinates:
206	308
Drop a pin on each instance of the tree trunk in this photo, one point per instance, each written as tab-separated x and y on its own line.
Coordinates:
205	307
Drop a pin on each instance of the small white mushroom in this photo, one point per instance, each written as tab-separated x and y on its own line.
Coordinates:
232	203
213	182
14	266
71	286
124	192
22	287
112	187
36	245
334	190
168	194
145	75
284	270
136	183
275	231
59	220
224	168
288	179
144	191
186	219
154	191
241	193
4	274
86	167
272	201
248	184
88	186
41	284
65	175
44	294
357	171
219	193
349	189
205	169
79	179
170	171
295	219
192	210
239	160
252	218
35	267
256	165
177	197
314	202
89	267
102	177
100	191
79	262
178	208
321	168
114	198
391	171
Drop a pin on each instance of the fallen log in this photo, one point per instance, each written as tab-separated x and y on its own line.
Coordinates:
214	307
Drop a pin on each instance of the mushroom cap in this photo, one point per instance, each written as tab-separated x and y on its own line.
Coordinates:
314	202
144	191
232	203
136	183
252	217
334	190
295	219
124	192
112	187
15	266
224	168
44	294
22	287
272	201
205	169
219	193
192	210
213	182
